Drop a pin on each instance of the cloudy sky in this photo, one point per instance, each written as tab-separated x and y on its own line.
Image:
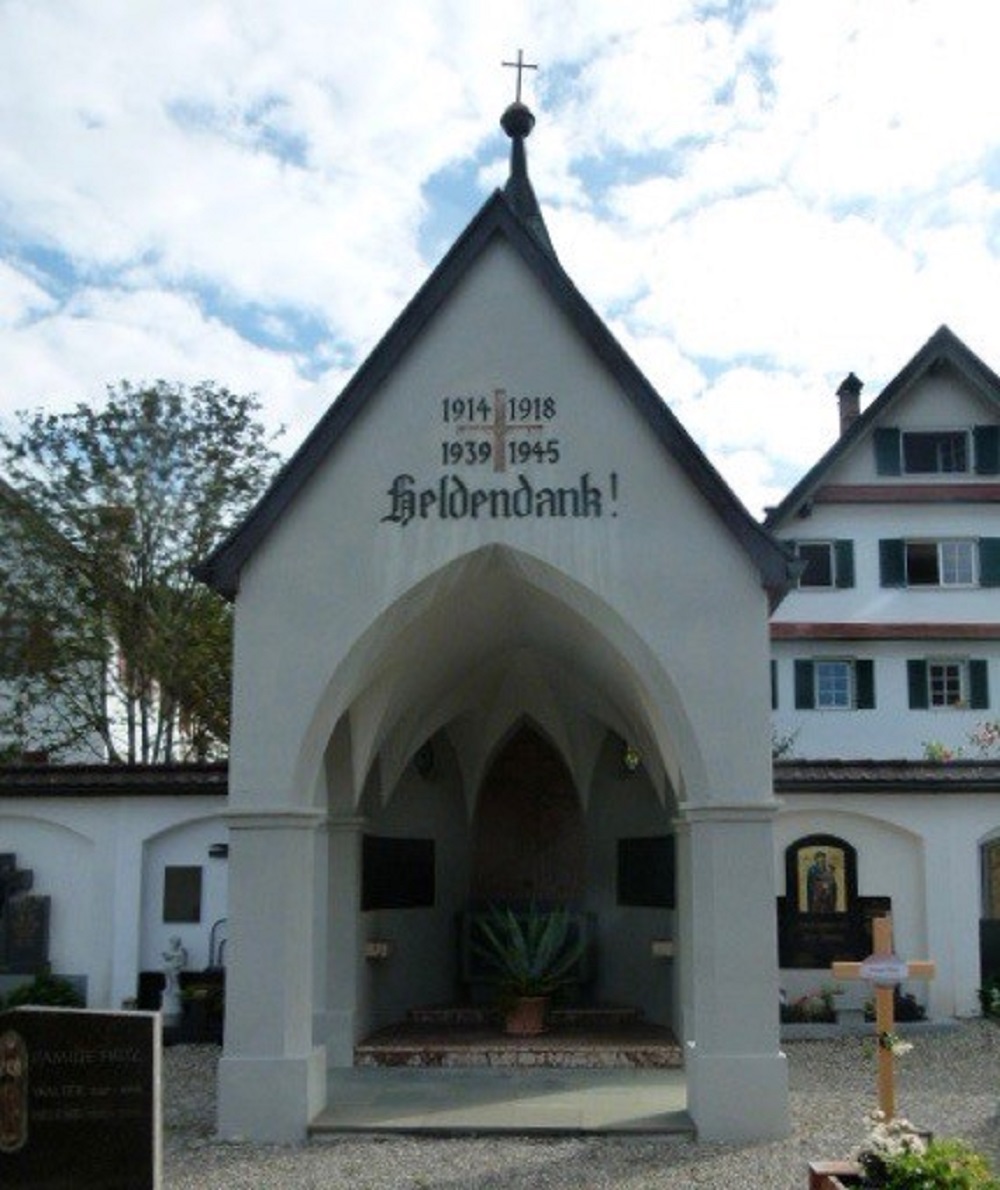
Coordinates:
759	196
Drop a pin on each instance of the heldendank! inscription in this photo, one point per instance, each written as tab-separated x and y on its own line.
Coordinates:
499	432
451	499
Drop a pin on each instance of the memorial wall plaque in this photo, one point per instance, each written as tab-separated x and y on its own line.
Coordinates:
26	931
821	918
79	1100
815	941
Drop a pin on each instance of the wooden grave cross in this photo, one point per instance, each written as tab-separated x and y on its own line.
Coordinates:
886	971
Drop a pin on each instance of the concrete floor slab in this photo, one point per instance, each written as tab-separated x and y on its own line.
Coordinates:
504	1100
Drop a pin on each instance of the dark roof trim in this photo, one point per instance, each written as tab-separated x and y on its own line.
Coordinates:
496	218
944	346
875	630
906	777
103	780
907	493
790	776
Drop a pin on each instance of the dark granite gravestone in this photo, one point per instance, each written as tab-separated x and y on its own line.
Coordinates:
79	1100
24	922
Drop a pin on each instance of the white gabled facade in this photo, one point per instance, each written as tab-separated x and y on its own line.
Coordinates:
892	639
888	653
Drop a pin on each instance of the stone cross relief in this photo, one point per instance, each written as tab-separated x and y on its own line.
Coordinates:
500	428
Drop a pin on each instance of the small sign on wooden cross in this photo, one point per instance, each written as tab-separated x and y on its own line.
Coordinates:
885	970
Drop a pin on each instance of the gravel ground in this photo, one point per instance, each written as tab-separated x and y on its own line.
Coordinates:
948	1083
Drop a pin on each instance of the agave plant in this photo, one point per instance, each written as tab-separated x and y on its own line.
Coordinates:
532	953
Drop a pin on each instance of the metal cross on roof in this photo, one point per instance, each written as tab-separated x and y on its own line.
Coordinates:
520	66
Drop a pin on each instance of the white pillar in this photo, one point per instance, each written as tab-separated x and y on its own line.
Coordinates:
953	903
272	1078
345	1016
128	865
737	1074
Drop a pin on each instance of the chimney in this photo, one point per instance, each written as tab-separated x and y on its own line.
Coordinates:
849	399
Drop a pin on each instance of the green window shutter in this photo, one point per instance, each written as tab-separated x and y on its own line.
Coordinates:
805	686
892	562
916	678
887	451
979	686
844	553
774	685
989	561
987	440
864	685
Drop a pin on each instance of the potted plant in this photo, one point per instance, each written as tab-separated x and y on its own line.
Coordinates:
531	954
898	1156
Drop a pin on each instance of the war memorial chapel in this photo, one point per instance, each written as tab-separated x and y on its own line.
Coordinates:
503	635
498	562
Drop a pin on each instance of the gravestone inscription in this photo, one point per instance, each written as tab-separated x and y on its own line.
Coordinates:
79	1100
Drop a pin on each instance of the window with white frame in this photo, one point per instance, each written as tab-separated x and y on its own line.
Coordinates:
940	563
935	452
961	451
817	559
948	683
826	564
834	684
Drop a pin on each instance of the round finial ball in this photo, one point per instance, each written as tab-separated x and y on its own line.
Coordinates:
517	121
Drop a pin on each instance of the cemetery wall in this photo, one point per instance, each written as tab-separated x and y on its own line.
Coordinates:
102	863
922	851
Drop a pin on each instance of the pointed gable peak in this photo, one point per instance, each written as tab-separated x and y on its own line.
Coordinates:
518	121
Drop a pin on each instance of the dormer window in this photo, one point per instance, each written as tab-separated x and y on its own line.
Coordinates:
959	451
935	452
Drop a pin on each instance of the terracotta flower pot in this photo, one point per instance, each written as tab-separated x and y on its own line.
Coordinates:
526	1017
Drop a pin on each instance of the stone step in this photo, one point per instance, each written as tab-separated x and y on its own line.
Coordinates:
626	1045
591	1016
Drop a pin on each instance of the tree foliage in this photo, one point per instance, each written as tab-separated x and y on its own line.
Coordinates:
109	640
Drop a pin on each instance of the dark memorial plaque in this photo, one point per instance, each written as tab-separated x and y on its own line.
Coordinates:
814	941
397	873
26	929
24	921
646	872
79	1099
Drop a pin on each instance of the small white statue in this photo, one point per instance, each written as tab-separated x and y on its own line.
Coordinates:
175	959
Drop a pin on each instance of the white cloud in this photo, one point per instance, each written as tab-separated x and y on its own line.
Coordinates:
103	336
21	297
758	199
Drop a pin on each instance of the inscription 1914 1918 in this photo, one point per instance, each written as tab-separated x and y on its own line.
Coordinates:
79	1099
